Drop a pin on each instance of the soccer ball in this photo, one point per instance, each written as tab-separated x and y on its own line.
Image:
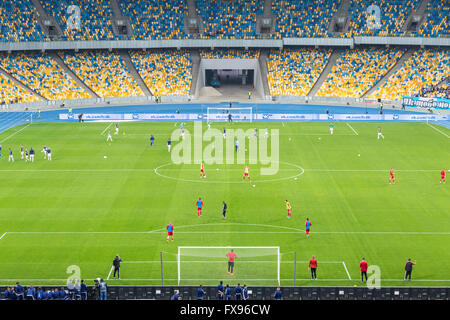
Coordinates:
289	139
105	157
204	176
359	155
253	186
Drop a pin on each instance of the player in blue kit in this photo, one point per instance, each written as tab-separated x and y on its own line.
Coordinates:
31	154
11	157
0	150
307	227
152	140
21	152
169	144
49	154
44	150
26	154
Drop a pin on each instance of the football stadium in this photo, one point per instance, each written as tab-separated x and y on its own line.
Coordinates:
224	149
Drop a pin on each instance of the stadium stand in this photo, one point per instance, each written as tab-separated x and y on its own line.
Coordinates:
424	69
155	19
356	71
42	74
224	19
95	19
165	72
294	72
12	93
229	54
18	21
393	15
437	21
104	72
298	18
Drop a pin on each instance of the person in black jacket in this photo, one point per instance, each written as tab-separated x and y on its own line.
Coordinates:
224	209
408	269
116	265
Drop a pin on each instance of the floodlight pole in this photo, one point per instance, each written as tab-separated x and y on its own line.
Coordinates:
295	266
162	270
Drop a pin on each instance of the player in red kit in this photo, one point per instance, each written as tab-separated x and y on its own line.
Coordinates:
307	227
442	176
391	176
313	267
202	171
363	266
169	231
199	207
231	256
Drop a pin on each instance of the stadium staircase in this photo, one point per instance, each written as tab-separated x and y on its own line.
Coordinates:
265	24
192	21
416	18
20	84
121	24
195	57
264	70
331	61
132	68
47	22
340	21
394	68
63	66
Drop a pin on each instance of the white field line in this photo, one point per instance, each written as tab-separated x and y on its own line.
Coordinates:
248	280
13	134
352	128
224	261
438	130
210	169
346	270
110	271
3	235
106	129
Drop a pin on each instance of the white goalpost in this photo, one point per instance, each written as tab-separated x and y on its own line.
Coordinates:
209	264
222	114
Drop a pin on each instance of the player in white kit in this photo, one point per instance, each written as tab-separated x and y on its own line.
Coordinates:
109	136
380	134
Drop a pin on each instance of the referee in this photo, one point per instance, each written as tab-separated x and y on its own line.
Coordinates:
116	265
224	209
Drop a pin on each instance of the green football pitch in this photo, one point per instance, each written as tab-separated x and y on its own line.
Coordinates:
82	208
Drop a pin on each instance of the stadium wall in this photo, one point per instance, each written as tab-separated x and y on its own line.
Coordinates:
222	43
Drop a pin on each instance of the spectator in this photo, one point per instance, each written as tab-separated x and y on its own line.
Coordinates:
8	293
238	292
77	290
176	295
228	292
55	293
408	269
19	291
200	293
70	289
39	294
103	289
44	295
62	294
83	290
245	292
30	293
363	266
220	289
277	294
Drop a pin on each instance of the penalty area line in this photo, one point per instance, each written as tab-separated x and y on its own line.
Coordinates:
352	128
346	270
106	129
110	271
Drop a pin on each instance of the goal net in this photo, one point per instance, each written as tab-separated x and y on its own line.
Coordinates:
222	114
209	265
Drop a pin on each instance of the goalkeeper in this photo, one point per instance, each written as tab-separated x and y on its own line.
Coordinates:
231	256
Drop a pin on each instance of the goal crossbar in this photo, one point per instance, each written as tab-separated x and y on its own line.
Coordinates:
228	247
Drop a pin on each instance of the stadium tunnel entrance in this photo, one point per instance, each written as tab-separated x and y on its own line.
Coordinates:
232	78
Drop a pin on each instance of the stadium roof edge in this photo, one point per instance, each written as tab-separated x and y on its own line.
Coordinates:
221	43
